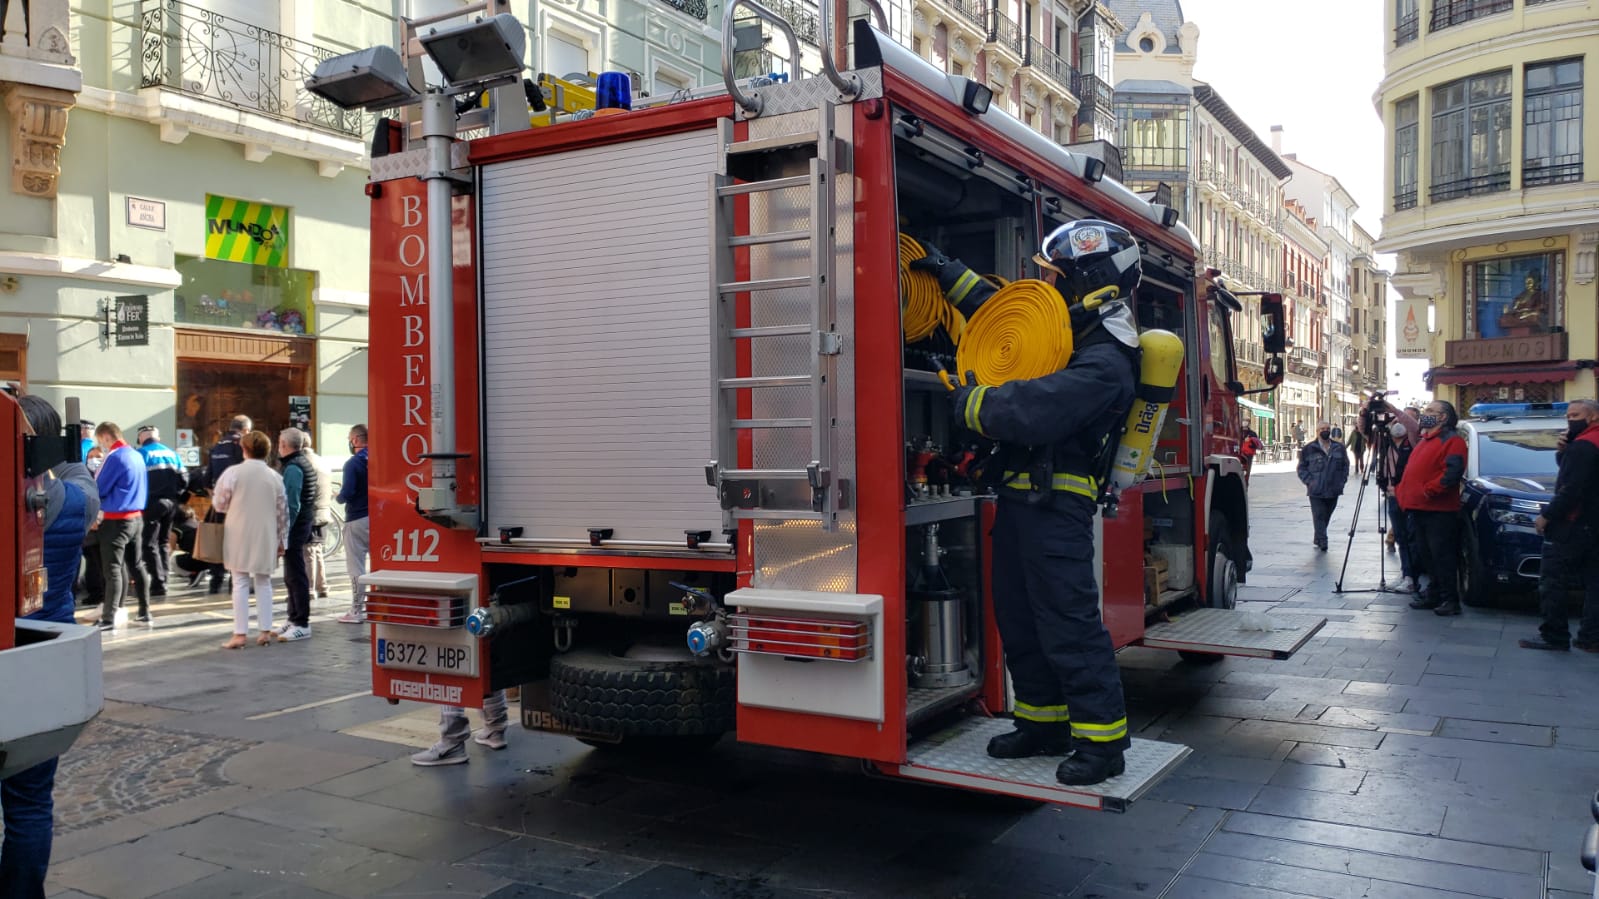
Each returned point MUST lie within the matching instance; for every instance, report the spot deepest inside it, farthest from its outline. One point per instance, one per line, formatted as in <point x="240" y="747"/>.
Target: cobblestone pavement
<point x="1398" y="756"/>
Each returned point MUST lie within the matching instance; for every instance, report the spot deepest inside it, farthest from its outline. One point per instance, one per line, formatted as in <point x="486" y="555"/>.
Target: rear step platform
<point x="958" y="756"/>
<point x="1220" y="632"/>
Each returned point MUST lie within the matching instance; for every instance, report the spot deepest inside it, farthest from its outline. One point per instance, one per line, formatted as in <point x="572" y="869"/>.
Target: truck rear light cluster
<point x="415" y="609"/>
<point x="802" y="638"/>
<point x="35" y="583"/>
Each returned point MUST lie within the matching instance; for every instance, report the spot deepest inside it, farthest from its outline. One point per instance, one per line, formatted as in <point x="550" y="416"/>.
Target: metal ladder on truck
<point x="774" y="334"/>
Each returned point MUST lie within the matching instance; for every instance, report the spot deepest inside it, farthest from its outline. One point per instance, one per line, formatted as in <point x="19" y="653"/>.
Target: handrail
<point x="752" y="102"/>
<point x="848" y="84"/>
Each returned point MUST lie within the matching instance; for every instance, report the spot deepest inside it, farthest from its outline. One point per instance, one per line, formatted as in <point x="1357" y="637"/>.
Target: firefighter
<point x="1053" y="433"/>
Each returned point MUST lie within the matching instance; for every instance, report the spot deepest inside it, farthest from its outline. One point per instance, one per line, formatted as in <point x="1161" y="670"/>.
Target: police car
<point x="1510" y="478"/>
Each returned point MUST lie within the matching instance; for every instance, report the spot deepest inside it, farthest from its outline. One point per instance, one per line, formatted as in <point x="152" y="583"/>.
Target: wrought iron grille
<point x="1533" y="174"/>
<point x="1408" y="28"/>
<point x="974" y="11"/>
<point x="1470" y="186"/>
<point x="1405" y="199"/>
<point x="1456" y="12"/>
<point x="1004" y="31"/>
<point x="1050" y="63"/>
<point x="802" y="17"/>
<point x="695" y="8"/>
<point x="195" y="51"/>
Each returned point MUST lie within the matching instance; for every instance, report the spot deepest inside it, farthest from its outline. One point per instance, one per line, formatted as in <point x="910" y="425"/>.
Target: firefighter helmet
<point x="1092" y="257"/>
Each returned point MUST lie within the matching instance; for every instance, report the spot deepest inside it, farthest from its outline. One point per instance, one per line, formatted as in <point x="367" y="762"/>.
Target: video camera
<point x="1376" y="416"/>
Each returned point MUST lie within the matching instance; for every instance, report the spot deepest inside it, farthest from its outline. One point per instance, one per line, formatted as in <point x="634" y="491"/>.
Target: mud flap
<point x="958" y="756"/>
<point x="1223" y="632"/>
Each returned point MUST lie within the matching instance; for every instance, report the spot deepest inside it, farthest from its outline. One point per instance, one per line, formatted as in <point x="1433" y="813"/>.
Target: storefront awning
<point x="1259" y="410"/>
<point x="1531" y="373"/>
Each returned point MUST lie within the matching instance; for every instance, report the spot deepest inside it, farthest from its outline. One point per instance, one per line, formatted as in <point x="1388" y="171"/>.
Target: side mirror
<point x="1274" y="370"/>
<point x="1273" y="329"/>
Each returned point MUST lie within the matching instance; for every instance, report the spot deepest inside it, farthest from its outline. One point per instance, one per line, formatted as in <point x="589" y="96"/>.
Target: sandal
<point x="265" y="638"/>
<point x="238" y="642"/>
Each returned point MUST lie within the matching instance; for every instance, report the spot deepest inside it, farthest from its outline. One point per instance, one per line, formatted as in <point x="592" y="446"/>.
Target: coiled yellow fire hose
<point x="1024" y="331"/>
<point x="923" y="307"/>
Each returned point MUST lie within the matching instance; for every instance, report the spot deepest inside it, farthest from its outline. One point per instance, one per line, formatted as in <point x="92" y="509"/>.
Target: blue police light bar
<point x="1517" y="410"/>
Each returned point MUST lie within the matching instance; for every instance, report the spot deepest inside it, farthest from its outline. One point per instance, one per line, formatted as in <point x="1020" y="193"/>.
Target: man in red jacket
<point x="1430" y="492"/>
<point x="1570" y="529"/>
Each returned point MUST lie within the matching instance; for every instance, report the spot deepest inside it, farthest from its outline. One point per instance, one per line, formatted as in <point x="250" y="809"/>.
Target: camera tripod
<point x="1380" y="444"/>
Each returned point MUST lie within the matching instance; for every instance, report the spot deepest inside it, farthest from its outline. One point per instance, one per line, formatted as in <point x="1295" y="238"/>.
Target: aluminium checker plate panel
<point x="958" y="756"/>
<point x="1220" y="631"/>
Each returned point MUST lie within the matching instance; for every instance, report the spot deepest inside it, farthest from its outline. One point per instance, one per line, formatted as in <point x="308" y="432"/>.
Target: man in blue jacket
<point x="26" y="798"/>
<point x="124" y="491"/>
<point x="1323" y="469"/>
<point x="357" y="524"/>
<point x="166" y="484"/>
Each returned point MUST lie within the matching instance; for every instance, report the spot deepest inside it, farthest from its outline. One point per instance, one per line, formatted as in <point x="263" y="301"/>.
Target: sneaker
<point x="158" y="591"/>
<point x="104" y="625"/>
<point x="493" y="739"/>
<point x="441" y="754"/>
<point x="120" y="618"/>
<point x="294" y="632"/>
<point x="350" y="618"/>
<point x="143" y="619"/>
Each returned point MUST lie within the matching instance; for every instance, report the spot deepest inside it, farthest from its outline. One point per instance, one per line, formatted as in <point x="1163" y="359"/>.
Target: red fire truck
<point x="60" y="663"/>
<point x="650" y="443"/>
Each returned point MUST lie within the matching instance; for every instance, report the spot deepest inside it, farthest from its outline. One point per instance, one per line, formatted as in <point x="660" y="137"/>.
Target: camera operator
<point x="1390" y="433"/>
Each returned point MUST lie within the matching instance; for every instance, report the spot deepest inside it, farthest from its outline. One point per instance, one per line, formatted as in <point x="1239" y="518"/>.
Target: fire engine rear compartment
<point x="607" y="386"/>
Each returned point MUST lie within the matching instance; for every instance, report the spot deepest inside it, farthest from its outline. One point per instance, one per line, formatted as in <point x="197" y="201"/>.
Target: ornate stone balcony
<point x="39" y="81"/>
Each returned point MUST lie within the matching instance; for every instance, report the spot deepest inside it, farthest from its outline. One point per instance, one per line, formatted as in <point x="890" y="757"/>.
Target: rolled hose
<point x="923" y="306"/>
<point x="1024" y="331"/>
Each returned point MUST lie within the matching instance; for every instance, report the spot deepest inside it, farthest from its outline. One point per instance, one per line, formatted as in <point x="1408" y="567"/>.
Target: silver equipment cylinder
<point x="942" y="638"/>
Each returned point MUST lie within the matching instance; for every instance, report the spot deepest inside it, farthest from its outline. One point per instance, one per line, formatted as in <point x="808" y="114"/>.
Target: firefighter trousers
<point x="1046" y="603"/>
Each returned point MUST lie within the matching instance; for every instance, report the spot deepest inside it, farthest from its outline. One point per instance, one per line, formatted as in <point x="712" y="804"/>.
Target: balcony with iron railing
<point x="1448" y="13"/>
<point x="1005" y="33"/>
<point x="1408" y="28"/>
<point x="1567" y="170"/>
<point x="1470" y="186"/>
<point x="803" y="16"/>
<point x="201" y="53"/>
<point x="973" y="11"/>
<point x="1051" y="64"/>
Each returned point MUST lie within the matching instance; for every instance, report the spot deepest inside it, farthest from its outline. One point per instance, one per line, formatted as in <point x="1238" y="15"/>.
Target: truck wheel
<point x="1471" y="581"/>
<point x="600" y="692"/>
<point x="1222" y="583"/>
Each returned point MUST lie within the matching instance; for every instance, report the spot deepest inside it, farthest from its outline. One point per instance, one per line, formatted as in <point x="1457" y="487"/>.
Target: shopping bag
<point x="208" y="542"/>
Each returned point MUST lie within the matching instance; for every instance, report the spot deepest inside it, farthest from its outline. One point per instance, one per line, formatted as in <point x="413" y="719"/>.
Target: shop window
<point x="1553" y="135"/>
<point x="1515" y="296"/>
<point x="220" y="294"/>
<point x="1471" y="136"/>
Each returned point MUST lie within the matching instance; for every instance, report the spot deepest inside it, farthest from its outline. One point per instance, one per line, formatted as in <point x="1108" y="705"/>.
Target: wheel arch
<point x="1229" y="497"/>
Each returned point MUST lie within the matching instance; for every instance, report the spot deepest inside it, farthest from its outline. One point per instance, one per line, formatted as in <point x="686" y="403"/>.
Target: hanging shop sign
<point x="241" y="231"/>
<point x="1410" y="330"/>
<point x="132" y="325"/>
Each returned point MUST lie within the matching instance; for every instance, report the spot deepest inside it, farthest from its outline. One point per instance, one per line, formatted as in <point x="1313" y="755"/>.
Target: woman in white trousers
<point x="255" y="534"/>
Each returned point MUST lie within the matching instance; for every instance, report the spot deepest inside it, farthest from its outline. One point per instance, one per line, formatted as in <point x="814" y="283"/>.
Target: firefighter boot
<point x="1085" y="769"/>
<point x="1027" y="742"/>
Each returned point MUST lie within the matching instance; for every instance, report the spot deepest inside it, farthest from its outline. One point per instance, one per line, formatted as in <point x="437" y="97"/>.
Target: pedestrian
<point x="1068" y="690"/>
<point x="224" y="455"/>
<point x="1430" y="492"/>
<point x="1570" y="529"/>
<point x="1248" y="448"/>
<point x="1323" y="469"/>
<point x="315" y="564"/>
<point x="27" y="801"/>
<point x="166" y="480"/>
<point x="1399" y="536"/>
<point x="123" y="485"/>
<point x="299" y="482"/>
<point x="255" y="535"/>
<point x="1357" y="450"/>
<point x="185" y="531"/>
<point x="1299" y="433"/>
<point x="86" y="432"/>
<point x="357" y="524"/>
<point x="454" y="729"/>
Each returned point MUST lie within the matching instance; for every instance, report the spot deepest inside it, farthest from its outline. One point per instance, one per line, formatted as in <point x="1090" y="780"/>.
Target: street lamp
<point x="476" y="55"/>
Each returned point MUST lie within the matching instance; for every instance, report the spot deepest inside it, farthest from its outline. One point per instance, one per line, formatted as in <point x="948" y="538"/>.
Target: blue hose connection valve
<point x="705" y="637"/>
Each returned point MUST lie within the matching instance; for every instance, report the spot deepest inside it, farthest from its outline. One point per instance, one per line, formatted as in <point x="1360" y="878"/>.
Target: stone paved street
<point x="1398" y="756"/>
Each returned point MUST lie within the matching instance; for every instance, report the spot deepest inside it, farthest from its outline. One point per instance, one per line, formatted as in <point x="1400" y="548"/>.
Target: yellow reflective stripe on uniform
<point x="1041" y="713"/>
<point x="974" y="410"/>
<point x="963" y="286"/>
<point x="1101" y="733"/>
<point x="1069" y="483"/>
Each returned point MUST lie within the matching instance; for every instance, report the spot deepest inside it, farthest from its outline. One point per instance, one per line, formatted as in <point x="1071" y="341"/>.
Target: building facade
<point x="1326" y="200"/>
<point x="1299" y="402"/>
<point x="1368" y="302"/>
<point x="1492" y="207"/>
<point x="184" y="235"/>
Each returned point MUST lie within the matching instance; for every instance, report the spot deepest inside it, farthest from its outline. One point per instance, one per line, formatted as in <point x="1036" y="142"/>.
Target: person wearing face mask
<point x="1323" y="469"/>
<point x="1430" y="492"/>
<point x="1570" y="529"/>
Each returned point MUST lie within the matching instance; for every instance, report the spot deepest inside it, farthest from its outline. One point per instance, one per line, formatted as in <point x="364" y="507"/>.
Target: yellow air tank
<point x="1162" y="355"/>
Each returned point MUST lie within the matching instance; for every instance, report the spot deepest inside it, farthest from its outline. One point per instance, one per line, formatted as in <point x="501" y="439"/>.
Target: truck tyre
<point x="1471" y="581"/>
<point x="599" y="692"/>
<point x="1222" y="580"/>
